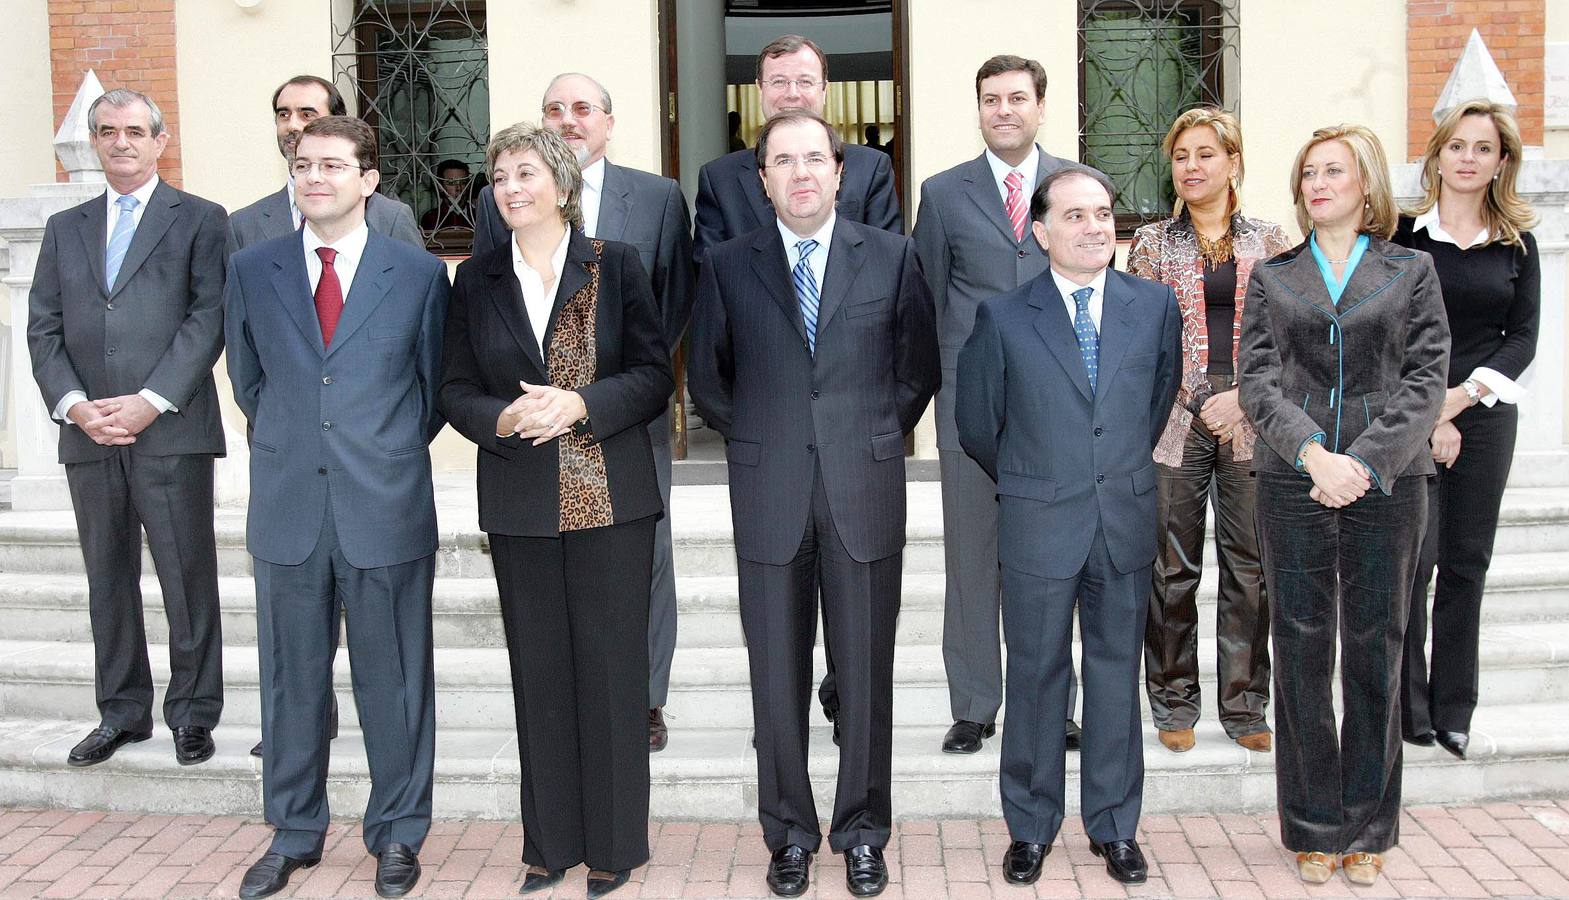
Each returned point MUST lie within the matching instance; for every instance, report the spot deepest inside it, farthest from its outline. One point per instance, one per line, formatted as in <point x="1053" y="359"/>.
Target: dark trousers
<point x="575" y="611"/>
<point x="171" y="497"/>
<point x="388" y="614"/>
<point x="662" y="587"/>
<point x="860" y="610"/>
<point x="1462" y="520"/>
<point x="1171" y="642"/>
<point x="1338" y="788"/>
<point x="1037" y="619"/>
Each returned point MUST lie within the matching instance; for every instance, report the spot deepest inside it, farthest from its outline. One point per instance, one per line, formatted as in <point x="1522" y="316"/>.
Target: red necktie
<point x="1015" y="203"/>
<point x="329" y="295"/>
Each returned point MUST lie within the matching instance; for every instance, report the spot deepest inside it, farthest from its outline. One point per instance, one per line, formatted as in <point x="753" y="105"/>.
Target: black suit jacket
<point x="490" y="347"/>
<point x="784" y="411"/>
<point x="160" y="327"/>
<point x="731" y="201"/>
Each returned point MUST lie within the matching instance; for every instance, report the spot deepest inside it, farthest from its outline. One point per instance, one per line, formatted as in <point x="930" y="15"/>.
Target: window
<point x="1141" y="62"/>
<point x="420" y="71"/>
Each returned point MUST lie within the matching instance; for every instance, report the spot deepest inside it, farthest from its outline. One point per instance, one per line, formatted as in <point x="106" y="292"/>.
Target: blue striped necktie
<point x="806" y="292"/>
<point x="1084" y="330"/>
<point x="120" y="239"/>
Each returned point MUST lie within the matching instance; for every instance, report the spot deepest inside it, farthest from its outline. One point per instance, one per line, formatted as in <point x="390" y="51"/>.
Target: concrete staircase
<point x="1520" y="741"/>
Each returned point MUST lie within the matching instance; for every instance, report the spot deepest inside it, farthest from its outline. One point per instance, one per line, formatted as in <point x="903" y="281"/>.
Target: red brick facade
<point x="1436" y="32"/>
<point x="129" y="43"/>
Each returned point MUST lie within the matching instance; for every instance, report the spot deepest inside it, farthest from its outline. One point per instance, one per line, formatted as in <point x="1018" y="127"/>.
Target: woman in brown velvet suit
<point x="554" y="362"/>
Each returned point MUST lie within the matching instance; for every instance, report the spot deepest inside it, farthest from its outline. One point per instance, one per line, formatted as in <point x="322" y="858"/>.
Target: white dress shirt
<point x="294" y="209"/>
<point x="818" y="261"/>
<point x="593" y="190"/>
<point x="351" y="249"/>
<point x="1097" y="299"/>
<point x="536" y="302"/>
<point x="1027" y="169"/>
<point x="1502" y="387"/>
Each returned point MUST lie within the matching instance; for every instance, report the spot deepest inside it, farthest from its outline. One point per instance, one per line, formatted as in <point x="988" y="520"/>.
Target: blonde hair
<point x="1226" y="128"/>
<point x="1379" y="213"/>
<point x="1504" y="211"/>
<point x="553" y="152"/>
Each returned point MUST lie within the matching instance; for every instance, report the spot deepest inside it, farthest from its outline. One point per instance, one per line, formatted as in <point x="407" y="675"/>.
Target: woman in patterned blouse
<point x="1206" y="253"/>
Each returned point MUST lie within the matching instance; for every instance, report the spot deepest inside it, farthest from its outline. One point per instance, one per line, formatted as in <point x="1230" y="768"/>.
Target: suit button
<point x="1023" y="254"/>
<point x="814" y="395"/>
<point x="1100" y="479"/>
<point x="322" y="470"/>
<point x="326" y="426"/>
<point x="111" y="351"/>
<point x="1098" y="430"/>
<point x="811" y="448"/>
<point x="326" y="379"/>
<point x="109" y="306"/>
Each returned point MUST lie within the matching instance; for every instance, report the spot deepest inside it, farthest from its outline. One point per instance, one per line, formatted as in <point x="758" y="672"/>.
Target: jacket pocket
<point x="867" y="308"/>
<point x="1140" y="361"/>
<point x="743" y="453"/>
<point x="1144" y="479"/>
<point x="887" y="446"/>
<point x="406" y="451"/>
<point x="1029" y="487"/>
<point x="263" y="446"/>
<point x="1373" y="405"/>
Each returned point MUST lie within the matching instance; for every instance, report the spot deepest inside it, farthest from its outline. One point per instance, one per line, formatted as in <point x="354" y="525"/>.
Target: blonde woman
<point x="1475" y="227"/>
<point x="1206" y="252"/>
<point x="1344" y="350"/>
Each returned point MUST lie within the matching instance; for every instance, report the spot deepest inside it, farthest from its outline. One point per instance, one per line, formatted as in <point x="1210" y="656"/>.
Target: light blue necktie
<point x="806" y="292"/>
<point x="120" y="240"/>
<point x="1084" y="330"/>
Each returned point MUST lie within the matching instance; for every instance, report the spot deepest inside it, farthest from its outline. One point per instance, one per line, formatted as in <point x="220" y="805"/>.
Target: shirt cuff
<point x="1504" y="389"/>
<point x="1319" y="437"/>
<point x="65" y="404"/>
<point x="157" y="401"/>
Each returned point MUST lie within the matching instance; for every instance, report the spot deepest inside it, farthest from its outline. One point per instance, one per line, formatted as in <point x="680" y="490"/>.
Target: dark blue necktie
<point x="1084" y="330"/>
<point x="806" y="292"/>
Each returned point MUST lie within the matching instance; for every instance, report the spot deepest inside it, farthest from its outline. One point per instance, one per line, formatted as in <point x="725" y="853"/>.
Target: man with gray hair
<point x="648" y="212"/>
<point x="125" y="322"/>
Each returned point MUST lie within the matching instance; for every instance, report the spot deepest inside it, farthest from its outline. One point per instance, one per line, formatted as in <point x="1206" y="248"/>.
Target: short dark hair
<point x="782" y="46"/>
<point x="446" y="164"/>
<point x="791" y="117"/>
<point x="1005" y="62"/>
<point x="335" y="104"/>
<point x="1040" y="201"/>
<point x="355" y="131"/>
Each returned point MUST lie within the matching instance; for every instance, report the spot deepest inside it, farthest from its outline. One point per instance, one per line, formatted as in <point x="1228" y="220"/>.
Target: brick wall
<point x="129" y="43"/>
<point x="1436" y="32"/>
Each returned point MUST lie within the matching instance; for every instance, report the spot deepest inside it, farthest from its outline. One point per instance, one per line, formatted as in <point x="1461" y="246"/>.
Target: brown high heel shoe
<point x="1315" y="867"/>
<point x="1362" y="868"/>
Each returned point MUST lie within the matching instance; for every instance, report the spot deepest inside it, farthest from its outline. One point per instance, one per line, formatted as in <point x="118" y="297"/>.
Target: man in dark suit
<point x="294" y="104"/>
<point x="341" y="393"/>
<point x="125" y="322"/>
<point x="814" y="353"/>
<point x="648" y="212"/>
<point x="1063" y="389"/>
<point x="973" y="237"/>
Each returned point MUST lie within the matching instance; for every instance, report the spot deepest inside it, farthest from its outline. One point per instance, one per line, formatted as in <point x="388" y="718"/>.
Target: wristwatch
<point x="1473" y="393"/>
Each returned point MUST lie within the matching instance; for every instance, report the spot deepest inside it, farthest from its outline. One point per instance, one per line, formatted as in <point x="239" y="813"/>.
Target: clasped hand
<point x="113" y="421"/>
<point x="1222" y="414"/>
<point x="1338" y="480"/>
<point x="542" y="413"/>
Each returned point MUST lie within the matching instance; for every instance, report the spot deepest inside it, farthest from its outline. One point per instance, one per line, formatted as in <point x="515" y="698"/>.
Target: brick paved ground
<point x="1502" y="849"/>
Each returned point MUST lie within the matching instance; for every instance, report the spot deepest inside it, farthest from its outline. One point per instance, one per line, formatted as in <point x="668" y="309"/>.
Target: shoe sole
<point x="84" y="763"/>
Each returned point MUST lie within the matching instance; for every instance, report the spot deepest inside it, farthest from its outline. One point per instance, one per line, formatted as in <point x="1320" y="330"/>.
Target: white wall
<point x="27" y="102"/>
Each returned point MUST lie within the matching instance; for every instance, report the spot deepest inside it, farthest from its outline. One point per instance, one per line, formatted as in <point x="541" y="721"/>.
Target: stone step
<point x="1533" y="520"/>
<point x="710" y="686"/>
<point x="712" y="773"/>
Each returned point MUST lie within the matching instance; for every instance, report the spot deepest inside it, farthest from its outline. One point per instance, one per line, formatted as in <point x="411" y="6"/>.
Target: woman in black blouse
<point x="1475" y="227"/>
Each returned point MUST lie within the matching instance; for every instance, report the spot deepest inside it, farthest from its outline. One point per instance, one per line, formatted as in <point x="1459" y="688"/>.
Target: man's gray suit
<point x="160" y="327"/>
<point x="969" y="254"/>
<point x="648" y="212"/>
<point x="342" y="516"/>
<point x="270" y="218"/>
<point x="1076" y="499"/>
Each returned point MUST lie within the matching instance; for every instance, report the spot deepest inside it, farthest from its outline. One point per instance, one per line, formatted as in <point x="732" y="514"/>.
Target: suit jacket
<point x="638" y="208"/>
<point x="356" y="417"/>
<point x="968" y="253"/>
<point x="491" y="346"/>
<point x="731" y="201"/>
<point x="160" y="327"/>
<point x="1366" y="375"/>
<point x="785" y="412"/>
<point x="1065" y="458"/>
<point x="270" y="218"/>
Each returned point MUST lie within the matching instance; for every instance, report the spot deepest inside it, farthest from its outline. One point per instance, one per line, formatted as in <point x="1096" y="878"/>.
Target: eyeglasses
<point x="814" y="162"/>
<point x="555" y="112"/>
<point x="802" y="84"/>
<point x="330" y="168"/>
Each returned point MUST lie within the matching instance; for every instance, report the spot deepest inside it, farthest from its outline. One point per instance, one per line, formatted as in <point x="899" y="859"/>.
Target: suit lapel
<point x="162" y="207"/>
<point x="1117" y="322"/>
<point x="1056" y="329"/>
<point x="278" y="219"/>
<point x="372" y="279"/>
<point x="981" y="188"/>
<point x="615" y="205"/>
<point x="845" y="256"/>
<point x="752" y="190"/>
<point x="94" y="227"/>
<point x="1373" y="273"/>
<point x="768" y="262"/>
<point x="574" y="275"/>
<point x="507" y="297"/>
<point x="1302" y="278"/>
<point x="292" y="284"/>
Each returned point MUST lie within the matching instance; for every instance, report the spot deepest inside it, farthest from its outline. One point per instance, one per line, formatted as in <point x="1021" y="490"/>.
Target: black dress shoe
<point x="397" y="870"/>
<point x="270" y="874"/>
<point x="192" y="744"/>
<point x="101" y="743"/>
<point x="865" y="873"/>
<point x="1022" y="863"/>
<point x="1425" y="739"/>
<point x="601" y="882"/>
<point x="965" y="737"/>
<point x="256" y="751"/>
<point x="1124" y="860"/>
<point x="658" y="734"/>
<point x="1455" y="742"/>
<point x="538" y="878"/>
<point x="1075" y="735"/>
<point x="789" y="871"/>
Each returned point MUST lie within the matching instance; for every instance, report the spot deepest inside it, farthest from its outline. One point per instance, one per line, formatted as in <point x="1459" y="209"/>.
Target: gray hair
<point x="553" y="152"/>
<point x="604" y="95"/>
<point x="120" y="98"/>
